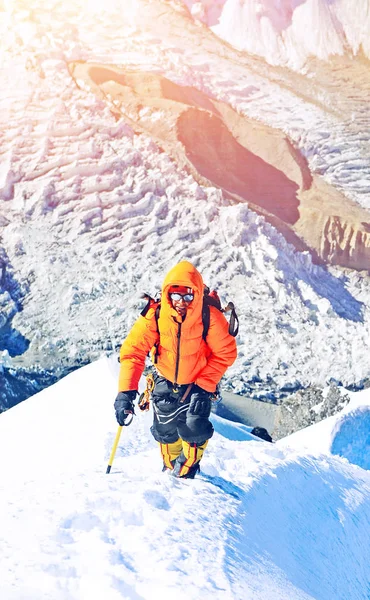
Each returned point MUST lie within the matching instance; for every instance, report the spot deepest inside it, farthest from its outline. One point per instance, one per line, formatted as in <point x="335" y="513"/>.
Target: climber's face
<point x="181" y="297"/>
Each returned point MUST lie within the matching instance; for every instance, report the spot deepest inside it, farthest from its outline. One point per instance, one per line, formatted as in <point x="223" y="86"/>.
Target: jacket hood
<point x="184" y="273"/>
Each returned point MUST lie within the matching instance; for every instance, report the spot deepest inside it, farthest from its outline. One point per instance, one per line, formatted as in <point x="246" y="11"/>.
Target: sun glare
<point x="29" y="6"/>
<point x="95" y="6"/>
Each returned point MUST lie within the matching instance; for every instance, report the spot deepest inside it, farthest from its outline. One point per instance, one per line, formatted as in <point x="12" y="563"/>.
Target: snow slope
<point x="262" y="520"/>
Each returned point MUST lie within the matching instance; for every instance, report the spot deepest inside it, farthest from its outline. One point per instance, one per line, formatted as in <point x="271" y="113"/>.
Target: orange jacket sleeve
<point x="223" y="350"/>
<point x="134" y="350"/>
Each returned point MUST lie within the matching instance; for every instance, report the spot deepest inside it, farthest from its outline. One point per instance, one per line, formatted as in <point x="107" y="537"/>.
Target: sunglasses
<point x="177" y="297"/>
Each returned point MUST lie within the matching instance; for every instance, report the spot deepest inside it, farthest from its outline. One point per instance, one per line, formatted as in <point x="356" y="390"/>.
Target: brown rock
<point x="249" y="161"/>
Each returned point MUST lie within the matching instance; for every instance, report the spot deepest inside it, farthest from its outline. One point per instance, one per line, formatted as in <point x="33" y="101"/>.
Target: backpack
<point x="210" y="298"/>
<point x="262" y="433"/>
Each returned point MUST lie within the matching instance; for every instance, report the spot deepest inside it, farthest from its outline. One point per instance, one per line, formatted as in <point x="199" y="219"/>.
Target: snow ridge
<point x="262" y="519"/>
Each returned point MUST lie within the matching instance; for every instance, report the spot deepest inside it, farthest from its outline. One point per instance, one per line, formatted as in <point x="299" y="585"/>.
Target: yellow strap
<point x="193" y="454"/>
<point x="170" y="452"/>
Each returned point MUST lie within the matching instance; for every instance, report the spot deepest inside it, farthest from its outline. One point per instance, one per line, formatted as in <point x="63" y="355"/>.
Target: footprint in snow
<point x="156" y="499"/>
<point x="82" y="522"/>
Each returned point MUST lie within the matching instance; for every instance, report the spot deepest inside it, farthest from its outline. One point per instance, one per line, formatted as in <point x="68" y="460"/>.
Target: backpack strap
<point x="156" y="314"/>
<point x="234" y="321"/>
<point x="151" y="302"/>
<point x="206" y="318"/>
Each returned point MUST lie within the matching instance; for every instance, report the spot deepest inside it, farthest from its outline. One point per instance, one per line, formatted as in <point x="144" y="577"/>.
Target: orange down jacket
<point x="183" y="356"/>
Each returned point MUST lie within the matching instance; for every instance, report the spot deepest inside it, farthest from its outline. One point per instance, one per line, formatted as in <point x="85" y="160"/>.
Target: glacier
<point x="93" y="209"/>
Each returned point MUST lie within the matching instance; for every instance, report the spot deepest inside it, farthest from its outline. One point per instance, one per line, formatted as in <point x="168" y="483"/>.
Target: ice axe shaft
<point x="112" y="454"/>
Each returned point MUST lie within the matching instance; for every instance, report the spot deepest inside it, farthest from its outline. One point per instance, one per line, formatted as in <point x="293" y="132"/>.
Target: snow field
<point x="259" y="513"/>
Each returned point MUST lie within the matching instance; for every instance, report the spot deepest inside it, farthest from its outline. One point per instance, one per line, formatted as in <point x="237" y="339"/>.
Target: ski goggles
<point x="176" y="297"/>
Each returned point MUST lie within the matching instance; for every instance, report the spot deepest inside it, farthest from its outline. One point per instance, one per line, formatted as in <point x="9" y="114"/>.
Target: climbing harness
<point x="144" y="400"/>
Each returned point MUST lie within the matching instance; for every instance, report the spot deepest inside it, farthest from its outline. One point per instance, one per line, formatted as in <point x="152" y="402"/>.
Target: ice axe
<point x="118" y="435"/>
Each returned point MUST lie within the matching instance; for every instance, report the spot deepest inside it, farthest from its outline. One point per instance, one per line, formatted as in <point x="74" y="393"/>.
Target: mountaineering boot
<point x="187" y="463"/>
<point x="166" y="468"/>
<point x="170" y="452"/>
<point x="180" y="473"/>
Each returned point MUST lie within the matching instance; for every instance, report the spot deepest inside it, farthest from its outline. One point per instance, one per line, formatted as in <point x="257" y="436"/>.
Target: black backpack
<point x="210" y="298"/>
<point x="262" y="433"/>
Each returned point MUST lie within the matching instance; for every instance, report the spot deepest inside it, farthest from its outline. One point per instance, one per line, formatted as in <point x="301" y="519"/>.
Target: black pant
<point x="174" y="418"/>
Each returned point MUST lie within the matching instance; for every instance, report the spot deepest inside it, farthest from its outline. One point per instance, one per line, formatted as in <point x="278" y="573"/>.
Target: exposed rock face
<point x="345" y="243"/>
<point x="216" y="154"/>
<point x="249" y="161"/>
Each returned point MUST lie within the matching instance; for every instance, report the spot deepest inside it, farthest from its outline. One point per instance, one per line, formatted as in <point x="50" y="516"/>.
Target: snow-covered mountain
<point x="291" y="32"/>
<point x="286" y="521"/>
<point x="186" y="148"/>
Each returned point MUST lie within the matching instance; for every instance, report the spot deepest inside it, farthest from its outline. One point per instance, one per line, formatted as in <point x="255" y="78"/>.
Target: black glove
<point x="124" y="406"/>
<point x="200" y="403"/>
